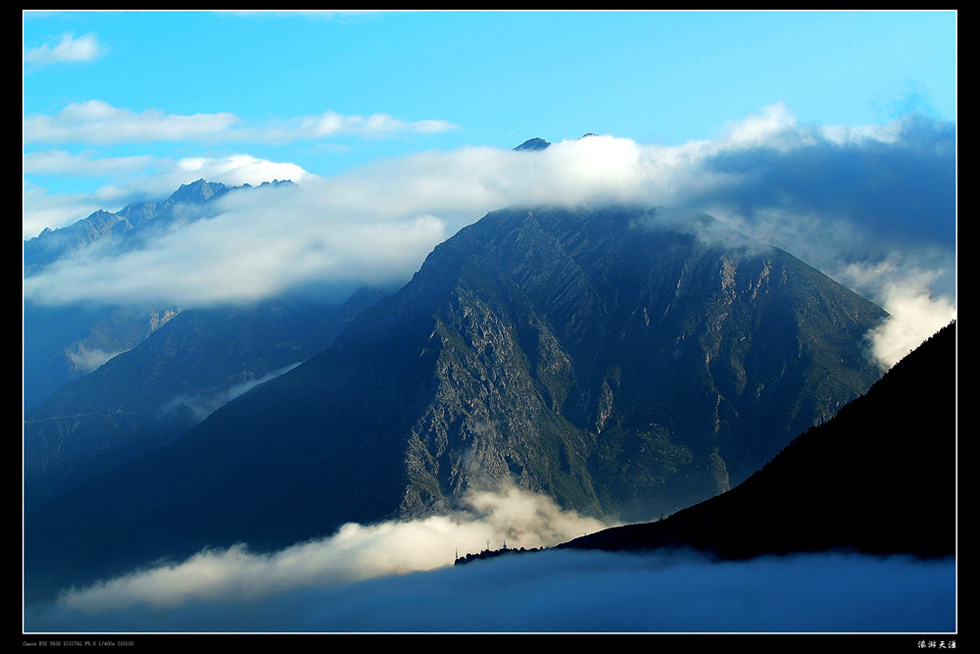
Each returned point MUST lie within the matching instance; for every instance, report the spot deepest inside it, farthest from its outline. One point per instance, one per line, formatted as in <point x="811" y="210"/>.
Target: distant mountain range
<point x="624" y="360"/>
<point x="64" y="343"/>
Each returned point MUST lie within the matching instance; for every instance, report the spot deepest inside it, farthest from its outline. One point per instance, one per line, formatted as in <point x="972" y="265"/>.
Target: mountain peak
<point x="533" y="144"/>
<point x="198" y="192"/>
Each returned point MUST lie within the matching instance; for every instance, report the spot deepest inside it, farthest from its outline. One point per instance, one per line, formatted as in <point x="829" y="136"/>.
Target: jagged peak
<point x="198" y="192"/>
<point x="533" y="144"/>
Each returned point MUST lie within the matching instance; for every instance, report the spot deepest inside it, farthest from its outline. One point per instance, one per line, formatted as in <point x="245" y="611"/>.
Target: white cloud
<point x="69" y="48"/>
<point x="915" y="312"/>
<point x="264" y="242"/>
<point x="60" y="162"/>
<point x="356" y="552"/>
<point x="330" y="124"/>
<point x="98" y="123"/>
<point x="239" y="169"/>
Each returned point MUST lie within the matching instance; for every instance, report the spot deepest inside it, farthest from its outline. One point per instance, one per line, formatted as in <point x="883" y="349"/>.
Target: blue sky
<point x="830" y="134"/>
<point x="489" y="78"/>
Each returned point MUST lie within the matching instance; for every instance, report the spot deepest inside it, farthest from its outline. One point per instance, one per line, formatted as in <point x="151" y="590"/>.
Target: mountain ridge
<point x="153" y="393"/>
<point x="605" y="356"/>
<point x="63" y="343"/>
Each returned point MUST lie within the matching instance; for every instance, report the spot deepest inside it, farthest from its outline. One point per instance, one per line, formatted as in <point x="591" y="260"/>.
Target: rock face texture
<point x="834" y="487"/>
<point x="625" y="361"/>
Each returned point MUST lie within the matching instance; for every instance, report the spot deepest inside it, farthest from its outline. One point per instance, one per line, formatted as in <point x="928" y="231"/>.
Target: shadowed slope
<point x="879" y="478"/>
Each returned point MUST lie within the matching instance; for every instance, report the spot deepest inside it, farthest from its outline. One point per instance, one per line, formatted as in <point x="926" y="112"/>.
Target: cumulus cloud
<point x="69" y="48"/>
<point x="833" y="196"/>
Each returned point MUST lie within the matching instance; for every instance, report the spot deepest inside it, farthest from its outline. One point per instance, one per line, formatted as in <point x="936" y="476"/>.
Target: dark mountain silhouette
<point x="622" y="360"/>
<point x="879" y="478"/>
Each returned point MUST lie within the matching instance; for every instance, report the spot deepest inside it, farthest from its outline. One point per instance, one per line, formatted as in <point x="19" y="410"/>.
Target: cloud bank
<point x="355" y="553"/>
<point x="580" y="592"/>
<point x="874" y="207"/>
<point x="398" y="577"/>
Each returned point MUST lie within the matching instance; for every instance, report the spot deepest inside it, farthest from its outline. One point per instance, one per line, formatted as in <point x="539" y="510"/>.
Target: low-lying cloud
<point x="581" y="592"/>
<point x="356" y="552"/>
<point x="398" y="577"/>
<point x="839" y="198"/>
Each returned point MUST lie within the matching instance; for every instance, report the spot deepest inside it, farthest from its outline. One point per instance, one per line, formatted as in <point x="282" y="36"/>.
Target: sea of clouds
<point x="398" y="577"/>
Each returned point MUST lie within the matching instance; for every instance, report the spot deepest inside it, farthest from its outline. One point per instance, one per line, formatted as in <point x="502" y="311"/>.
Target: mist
<point x="203" y="404"/>
<point x="563" y="591"/>
<point x="399" y="577"/>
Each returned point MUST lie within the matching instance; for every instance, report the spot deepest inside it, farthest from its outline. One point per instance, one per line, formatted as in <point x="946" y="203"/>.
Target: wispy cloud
<point x="60" y="162"/>
<point x="331" y="123"/>
<point x="96" y="122"/>
<point x="203" y="404"/>
<point x="69" y="48"/>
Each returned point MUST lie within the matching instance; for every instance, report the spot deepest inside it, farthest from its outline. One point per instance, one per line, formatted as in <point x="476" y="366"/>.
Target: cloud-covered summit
<point x="873" y="207"/>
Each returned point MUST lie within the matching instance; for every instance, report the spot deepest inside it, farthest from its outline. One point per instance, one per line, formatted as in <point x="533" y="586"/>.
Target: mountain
<point x="64" y="343"/>
<point x="532" y="144"/>
<point x="878" y="478"/>
<point x="162" y="387"/>
<point x="125" y="226"/>
<point x="623" y="360"/>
